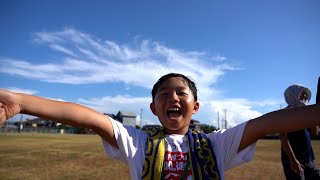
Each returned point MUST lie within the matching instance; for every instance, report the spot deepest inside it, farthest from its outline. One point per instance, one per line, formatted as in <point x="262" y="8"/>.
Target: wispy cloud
<point x="236" y="110"/>
<point x="19" y="90"/>
<point x="83" y="59"/>
<point x="87" y="59"/>
<point x="124" y="101"/>
<point x="113" y="104"/>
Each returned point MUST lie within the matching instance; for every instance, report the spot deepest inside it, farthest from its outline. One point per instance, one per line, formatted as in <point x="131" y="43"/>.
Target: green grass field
<point x="39" y="156"/>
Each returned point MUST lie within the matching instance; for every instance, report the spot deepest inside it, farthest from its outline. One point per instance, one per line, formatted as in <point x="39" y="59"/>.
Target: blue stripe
<point x="193" y="155"/>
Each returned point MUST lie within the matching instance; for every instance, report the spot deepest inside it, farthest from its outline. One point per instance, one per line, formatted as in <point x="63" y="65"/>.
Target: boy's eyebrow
<point x="162" y="88"/>
<point x="178" y="88"/>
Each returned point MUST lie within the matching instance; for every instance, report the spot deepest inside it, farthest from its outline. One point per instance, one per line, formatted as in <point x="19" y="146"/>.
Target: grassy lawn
<point x="41" y="156"/>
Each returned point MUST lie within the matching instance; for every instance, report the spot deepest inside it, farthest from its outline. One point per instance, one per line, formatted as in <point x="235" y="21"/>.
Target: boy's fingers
<point x="2" y="116"/>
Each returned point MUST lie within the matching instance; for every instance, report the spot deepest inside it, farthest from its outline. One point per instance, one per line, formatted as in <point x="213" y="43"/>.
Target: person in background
<point x="296" y="149"/>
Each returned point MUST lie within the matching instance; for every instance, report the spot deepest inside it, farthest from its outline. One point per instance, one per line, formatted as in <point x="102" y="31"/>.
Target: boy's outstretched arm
<point x="63" y="112"/>
<point x="285" y="120"/>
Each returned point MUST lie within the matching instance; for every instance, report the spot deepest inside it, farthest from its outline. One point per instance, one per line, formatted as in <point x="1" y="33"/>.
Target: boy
<point x="175" y="151"/>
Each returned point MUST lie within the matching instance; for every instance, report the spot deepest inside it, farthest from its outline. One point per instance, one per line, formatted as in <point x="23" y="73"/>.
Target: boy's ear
<point x="196" y="107"/>
<point x="153" y="108"/>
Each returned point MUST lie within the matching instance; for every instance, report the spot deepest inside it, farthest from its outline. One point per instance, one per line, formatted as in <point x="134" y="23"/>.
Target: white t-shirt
<point x="132" y="145"/>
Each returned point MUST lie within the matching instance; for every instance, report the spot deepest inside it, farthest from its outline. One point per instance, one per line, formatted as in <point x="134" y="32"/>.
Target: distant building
<point x="48" y="126"/>
<point x="126" y="118"/>
<point x="39" y="122"/>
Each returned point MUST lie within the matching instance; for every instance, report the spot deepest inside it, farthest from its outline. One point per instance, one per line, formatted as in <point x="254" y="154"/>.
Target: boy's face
<point x="174" y="105"/>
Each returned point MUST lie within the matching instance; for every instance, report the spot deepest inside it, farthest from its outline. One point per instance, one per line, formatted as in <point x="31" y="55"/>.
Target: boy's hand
<point x="8" y="105"/>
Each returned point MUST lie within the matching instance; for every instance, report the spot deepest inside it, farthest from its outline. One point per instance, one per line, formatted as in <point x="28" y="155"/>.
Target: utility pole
<point x="218" y="120"/>
<point x="141" y="118"/>
<point x="20" y="126"/>
<point x="225" y="118"/>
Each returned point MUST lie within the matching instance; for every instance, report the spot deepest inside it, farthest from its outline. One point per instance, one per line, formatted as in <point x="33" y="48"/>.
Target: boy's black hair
<point x="190" y="83"/>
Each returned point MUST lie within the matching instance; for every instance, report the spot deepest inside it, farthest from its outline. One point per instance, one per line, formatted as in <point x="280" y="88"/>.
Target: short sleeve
<point x="131" y="143"/>
<point x="226" y="143"/>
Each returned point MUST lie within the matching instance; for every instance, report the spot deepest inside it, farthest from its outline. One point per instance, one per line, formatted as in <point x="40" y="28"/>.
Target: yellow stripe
<point x="153" y="163"/>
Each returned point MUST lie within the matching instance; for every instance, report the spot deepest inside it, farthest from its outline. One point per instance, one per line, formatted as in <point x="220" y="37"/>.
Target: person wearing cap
<point x="296" y="150"/>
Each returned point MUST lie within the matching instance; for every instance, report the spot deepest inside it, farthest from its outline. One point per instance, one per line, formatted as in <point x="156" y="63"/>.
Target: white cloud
<point x="112" y="104"/>
<point x="87" y="59"/>
<point x="62" y="49"/>
<point x="235" y="110"/>
<point x="19" y="90"/>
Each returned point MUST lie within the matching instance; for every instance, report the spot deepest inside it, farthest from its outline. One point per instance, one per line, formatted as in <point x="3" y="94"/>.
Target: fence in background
<point x="15" y="130"/>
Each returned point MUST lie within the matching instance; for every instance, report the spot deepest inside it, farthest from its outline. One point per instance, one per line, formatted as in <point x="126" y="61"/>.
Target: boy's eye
<point x="183" y="93"/>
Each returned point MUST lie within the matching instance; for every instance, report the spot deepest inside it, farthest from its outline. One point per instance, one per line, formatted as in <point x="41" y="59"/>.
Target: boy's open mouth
<point x="173" y="112"/>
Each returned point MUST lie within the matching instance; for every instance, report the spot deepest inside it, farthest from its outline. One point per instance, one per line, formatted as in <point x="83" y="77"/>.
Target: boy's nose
<point x="173" y="97"/>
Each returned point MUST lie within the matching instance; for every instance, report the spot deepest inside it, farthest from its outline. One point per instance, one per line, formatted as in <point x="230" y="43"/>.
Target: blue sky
<point x="108" y="54"/>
